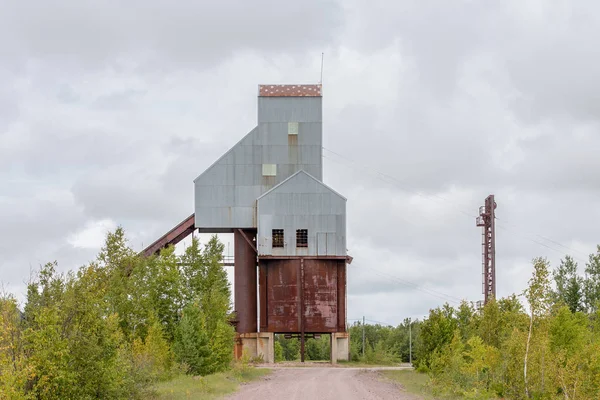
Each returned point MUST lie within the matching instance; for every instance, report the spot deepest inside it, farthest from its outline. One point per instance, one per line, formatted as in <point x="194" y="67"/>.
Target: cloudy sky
<point x="109" y="111"/>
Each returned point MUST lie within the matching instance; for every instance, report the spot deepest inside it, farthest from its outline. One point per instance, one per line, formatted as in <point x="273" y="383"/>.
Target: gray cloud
<point x="107" y="113"/>
<point x="192" y="33"/>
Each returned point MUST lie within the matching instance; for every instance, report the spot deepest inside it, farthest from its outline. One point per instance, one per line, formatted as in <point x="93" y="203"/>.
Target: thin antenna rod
<point x="322" y="57"/>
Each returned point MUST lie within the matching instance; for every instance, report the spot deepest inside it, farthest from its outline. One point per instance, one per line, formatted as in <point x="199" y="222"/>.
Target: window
<point x="277" y="237"/>
<point x="301" y="237"/>
<point x="292" y="128"/>
<point x="269" y="169"/>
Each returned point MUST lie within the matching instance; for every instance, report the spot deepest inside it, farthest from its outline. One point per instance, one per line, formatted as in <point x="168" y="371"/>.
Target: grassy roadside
<point x="420" y="384"/>
<point x="412" y="381"/>
<point x="361" y="364"/>
<point x="186" y="387"/>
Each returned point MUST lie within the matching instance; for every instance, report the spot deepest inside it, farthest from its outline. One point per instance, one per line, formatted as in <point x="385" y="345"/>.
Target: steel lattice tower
<point x="486" y="220"/>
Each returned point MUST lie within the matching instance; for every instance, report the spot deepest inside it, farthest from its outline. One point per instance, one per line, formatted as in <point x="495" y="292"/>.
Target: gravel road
<point x="322" y="384"/>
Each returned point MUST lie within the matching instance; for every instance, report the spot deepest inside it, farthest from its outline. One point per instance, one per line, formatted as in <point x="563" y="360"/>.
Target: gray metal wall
<point x="226" y="193"/>
<point x="302" y="202"/>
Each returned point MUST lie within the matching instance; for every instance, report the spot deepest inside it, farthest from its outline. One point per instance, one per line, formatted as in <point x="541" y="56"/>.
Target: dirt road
<point x="322" y="384"/>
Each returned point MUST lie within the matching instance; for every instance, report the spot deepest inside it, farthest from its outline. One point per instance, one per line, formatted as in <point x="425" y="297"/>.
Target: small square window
<point x="277" y="237"/>
<point x="292" y="128"/>
<point x="269" y="169"/>
<point x="301" y="237"/>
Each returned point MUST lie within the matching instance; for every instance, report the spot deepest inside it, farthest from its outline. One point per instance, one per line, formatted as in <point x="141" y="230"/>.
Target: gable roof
<point x="293" y="176"/>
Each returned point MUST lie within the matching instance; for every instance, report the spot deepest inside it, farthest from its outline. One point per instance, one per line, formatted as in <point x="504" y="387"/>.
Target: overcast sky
<point x="109" y="111"/>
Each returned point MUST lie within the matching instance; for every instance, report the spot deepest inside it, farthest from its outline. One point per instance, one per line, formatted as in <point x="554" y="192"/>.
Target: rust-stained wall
<point x="323" y="291"/>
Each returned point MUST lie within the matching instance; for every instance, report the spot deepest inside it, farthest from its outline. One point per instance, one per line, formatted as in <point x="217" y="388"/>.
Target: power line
<point x="371" y="320"/>
<point x="405" y="186"/>
<point x="380" y="323"/>
<point x="431" y="292"/>
<point x="524" y="234"/>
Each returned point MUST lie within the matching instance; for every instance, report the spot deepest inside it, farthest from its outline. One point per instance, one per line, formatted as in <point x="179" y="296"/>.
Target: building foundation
<point x="340" y="347"/>
<point x="258" y="345"/>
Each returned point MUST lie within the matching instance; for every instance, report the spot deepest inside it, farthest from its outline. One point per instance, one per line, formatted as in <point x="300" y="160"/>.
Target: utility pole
<point x="410" y="341"/>
<point x="363" y="336"/>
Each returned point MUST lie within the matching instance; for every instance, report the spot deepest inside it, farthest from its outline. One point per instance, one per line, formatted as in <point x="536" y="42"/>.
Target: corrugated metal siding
<point x="226" y="193"/>
<point x="290" y="109"/>
<point x="302" y="203"/>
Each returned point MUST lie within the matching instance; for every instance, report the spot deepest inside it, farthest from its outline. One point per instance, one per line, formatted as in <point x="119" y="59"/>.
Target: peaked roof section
<point x="293" y="177"/>
<point x="252" y="132"/>
<point x="290" y="90"/>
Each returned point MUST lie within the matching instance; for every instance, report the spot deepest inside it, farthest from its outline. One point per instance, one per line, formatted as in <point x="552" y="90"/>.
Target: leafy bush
<point x="108" y="330"/>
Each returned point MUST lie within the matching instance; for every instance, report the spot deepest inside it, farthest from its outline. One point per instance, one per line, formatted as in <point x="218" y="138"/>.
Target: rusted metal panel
<point x="262" y="295"/>
<point x="289" y="90"/>
<point x="341" y="296"/>
<point x="174" y="236"/>
<point x="303" y="295"/>
<point x="283" y="295"/>
<point x="245" y="281"/>
<point x="320" y="296"/>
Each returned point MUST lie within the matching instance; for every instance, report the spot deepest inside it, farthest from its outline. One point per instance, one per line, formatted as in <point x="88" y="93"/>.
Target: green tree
<point x="592" y="282"/>
<point x="278" y="350"/>
<point x="569" y="285"/>
<point x="191" y="344"/>
<point x="165" y="289"/>
<point x="436" y="331"/>
<point x="193" y="269"/>
<point x="465" y="319"/>
<point x="481" y="362"/>
<point x="152" y="356"/>
<point x="446" y="365"/>
<point x="290" y="348"/>
<point x="205" y="324"/>
<point x="569" y="338"/>
<point x="490" y="324"/>
<point x="73" y="348"/>
<point x="13" y="374"/>
<point x="318" y="349"/>
<point x="538" y="296"/>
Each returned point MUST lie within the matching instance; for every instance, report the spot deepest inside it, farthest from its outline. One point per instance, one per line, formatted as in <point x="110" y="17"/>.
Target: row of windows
<point x="301" y="237"/>
<point x="271" y="169"/>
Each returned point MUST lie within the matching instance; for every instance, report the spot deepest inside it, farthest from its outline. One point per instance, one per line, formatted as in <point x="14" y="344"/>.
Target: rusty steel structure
<point x="289" y="227"/>
<point x="486" y="220"/>
<point x="174" y="236"/>
<point x="245" y="280"/>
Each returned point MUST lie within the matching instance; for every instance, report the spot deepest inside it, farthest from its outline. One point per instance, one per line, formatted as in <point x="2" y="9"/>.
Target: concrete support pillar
<point x="340" y="347"/>
<point x="259" y="345"/>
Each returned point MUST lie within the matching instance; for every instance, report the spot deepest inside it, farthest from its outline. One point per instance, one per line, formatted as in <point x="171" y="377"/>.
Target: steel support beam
<point x="245" y="281"/>
<point x="174" y="236"/>
<point x="241" y="232"/>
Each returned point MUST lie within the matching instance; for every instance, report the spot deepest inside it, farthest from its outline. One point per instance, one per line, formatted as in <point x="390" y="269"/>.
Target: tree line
<point x="115" y="327"/>
<point x="543" y="343"/>
<point x="546" y="347"/>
